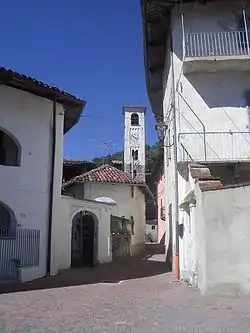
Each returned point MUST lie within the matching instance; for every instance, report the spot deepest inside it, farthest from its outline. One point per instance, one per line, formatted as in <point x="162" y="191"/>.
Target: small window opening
<point x="5" y="220"/>
<point x="134" y="119"/>
<point x="134" y="173"/>
<point x="135" y="155"/>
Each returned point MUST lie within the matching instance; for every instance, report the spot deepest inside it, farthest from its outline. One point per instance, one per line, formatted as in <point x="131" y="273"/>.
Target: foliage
<point x="152" y="154"/>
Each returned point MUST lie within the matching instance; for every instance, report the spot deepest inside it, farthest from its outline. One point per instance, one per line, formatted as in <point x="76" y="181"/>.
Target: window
<point x="135" y="155"/>
<point x="134" y="119"/>
<point x="6" y="219"/>
<point x="10" y="150"/>
<point x="134" y="173"/>
<point x="153" y="227"/>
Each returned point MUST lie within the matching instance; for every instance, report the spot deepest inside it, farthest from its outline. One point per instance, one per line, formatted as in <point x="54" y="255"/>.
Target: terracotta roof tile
<point x="105" y="174"/>
<point x="70" y="162"/>
<point x="73" y="106"/>
<point x="7" y="75"/>
<point x="211" y="187"/>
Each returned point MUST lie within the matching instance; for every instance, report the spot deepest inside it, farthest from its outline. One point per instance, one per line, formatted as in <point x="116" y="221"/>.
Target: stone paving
<point x="147" y="300"/>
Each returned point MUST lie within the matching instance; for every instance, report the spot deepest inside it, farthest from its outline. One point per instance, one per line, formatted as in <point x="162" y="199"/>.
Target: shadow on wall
<point x="162" y="240"/>
<point x="224" y="90"/>
<point x="151" y="263"/>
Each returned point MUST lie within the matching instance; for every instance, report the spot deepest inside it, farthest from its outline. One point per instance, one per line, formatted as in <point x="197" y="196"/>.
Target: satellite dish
<point x="106" y="200"/>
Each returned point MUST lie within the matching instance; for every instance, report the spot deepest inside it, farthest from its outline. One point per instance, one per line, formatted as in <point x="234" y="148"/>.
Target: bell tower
<point x="134" y="141"/>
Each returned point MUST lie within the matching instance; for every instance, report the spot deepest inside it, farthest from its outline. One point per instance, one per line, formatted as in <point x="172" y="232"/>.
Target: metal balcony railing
<point x="214" y="146"/>
<point x="18" y="252"/>
<point x="205" y="44"/>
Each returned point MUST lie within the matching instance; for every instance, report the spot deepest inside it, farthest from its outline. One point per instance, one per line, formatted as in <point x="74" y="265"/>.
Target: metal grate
<point x="207" y="44"/>
<point x="18" y="251"/>
<point x="214" y="146"/>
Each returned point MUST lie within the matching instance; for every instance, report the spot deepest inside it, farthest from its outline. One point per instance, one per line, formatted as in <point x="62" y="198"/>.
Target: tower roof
<point x="132" y="109"/>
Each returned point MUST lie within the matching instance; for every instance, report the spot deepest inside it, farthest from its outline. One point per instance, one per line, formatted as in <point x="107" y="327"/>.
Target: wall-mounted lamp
<point x="161" y="129"/>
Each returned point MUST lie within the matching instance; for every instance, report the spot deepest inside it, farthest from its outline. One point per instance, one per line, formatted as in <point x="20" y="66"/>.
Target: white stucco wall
<point x="126" y="205"/>
<point x="224" y="241"/>
<point x="62" y="236"/>
<point x="25" y="189"/>
<point x="219" y="106"/>
<point x="203" y="98"/>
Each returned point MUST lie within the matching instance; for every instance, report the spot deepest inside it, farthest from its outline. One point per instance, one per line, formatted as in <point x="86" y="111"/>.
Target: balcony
<point x="214" y="147"/>
<point x="217" y="52"/>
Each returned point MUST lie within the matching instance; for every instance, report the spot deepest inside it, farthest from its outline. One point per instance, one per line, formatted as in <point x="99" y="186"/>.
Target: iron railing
<point x="21" y="250"/>
<point x="214" y="146"/>
<point x="4" y="232"/>
<point x="205" y="44"/>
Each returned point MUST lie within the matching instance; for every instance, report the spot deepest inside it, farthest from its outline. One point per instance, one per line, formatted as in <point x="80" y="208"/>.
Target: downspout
<point x="51" y="191"/>
<point x="175" y="141"/>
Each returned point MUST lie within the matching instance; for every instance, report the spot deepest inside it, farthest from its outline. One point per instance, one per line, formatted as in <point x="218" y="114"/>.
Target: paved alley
<point x="140" y="298"/>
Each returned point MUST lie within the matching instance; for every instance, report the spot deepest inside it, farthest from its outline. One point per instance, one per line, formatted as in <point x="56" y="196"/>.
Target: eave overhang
<point x="156" y="18"/>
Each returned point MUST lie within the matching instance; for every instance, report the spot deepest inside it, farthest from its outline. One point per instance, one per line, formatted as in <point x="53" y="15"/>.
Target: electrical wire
<point x="236" y="126"/>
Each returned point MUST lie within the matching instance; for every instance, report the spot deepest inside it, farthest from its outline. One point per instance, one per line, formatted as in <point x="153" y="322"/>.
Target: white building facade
<point x="128" y="196"/>
<point x="70" y="208"/>
<point x="33" y="120"/>
<point x="198" y="73"/>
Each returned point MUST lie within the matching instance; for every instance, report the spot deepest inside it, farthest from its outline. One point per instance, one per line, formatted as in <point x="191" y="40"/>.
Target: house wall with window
<point x="208" y="98"/>
<point x="25" y="178"/>
<point x="130" y="201"/>
<point x="151" y="231"/>
<point x="203" y="98"/>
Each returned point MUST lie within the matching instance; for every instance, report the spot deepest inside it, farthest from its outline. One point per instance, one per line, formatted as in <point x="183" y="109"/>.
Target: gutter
<point x="51" y="191"/>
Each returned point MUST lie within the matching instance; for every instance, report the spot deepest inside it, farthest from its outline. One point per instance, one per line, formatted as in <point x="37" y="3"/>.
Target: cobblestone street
<point x="149" y="302"/>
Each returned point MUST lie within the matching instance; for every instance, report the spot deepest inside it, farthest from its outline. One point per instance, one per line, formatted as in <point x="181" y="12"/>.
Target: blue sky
<point x="92" y="49"/>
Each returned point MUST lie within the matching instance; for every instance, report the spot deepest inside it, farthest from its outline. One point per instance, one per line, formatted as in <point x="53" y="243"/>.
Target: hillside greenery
<point x="152" y="154"/>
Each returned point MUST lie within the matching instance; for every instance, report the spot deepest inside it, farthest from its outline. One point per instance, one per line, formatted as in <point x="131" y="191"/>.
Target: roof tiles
<point x="105" y="174"/>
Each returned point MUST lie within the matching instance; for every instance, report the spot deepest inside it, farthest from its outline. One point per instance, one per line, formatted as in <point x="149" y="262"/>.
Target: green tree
<point x="152" y="154"/>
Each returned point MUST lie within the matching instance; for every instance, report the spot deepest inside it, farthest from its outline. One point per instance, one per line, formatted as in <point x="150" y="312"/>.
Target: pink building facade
<point x="155" y="212"/>
<point x="161" y="206"/>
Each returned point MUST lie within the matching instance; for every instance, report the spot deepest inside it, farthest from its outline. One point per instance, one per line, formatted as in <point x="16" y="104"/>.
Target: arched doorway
<point x="84" y="243"/>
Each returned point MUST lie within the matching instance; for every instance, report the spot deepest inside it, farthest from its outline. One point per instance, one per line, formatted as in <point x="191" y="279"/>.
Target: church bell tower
<point x="134" y="141"/>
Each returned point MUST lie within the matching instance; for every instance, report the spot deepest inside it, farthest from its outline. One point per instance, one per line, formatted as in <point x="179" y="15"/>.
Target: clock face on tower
<point x="135" y="136"/>
<point x="134" y="139"/>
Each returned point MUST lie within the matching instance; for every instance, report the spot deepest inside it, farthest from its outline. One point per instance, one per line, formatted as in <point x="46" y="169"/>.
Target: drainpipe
<point x="246" y="28"/>
<point x="51" y="190"/>
<point x="175" y="139"/>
